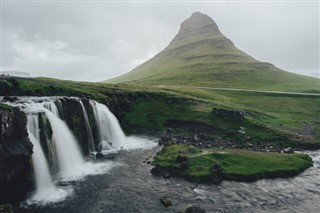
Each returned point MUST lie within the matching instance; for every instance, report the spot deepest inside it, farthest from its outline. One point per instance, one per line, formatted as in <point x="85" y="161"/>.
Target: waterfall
<point x="40" y="165"/>
<point x="109" y="130"/>
<point x="88" y="128"/>
<point x="63" y="149"/>
<point x="45" y="188"/>
<point x="68" y="153"/>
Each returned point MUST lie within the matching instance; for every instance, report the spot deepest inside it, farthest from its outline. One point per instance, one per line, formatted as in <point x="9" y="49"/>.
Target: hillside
<point x="200" y="55"/>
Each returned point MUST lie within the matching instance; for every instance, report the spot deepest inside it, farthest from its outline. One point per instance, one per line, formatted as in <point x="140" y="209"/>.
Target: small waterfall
<point x="45" y="189"/>
<point x="68" y="153"/>
<point x="88" y="128"/>
<point x="51" y="106"/>
<point x="109" y="130"/>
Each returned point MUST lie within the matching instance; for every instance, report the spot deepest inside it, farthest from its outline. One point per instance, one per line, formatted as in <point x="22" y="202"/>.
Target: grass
<point x="214" y="61"/>
<point x="237" y="165"/>
<point x="270" y="118"/>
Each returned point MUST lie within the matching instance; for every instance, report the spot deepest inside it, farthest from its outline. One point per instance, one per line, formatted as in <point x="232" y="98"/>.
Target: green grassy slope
<point x="201" y="55"/>
<point x="269" y="118"/>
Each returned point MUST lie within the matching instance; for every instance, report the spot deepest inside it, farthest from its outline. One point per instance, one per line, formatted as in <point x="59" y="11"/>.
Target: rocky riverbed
<point x="131" y="188"/>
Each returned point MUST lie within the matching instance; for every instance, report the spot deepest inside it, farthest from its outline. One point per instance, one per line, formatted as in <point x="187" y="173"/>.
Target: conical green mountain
<point x="200" y="55"/>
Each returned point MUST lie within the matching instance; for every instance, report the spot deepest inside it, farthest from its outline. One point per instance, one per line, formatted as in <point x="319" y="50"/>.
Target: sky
<point x="99" y="40"/>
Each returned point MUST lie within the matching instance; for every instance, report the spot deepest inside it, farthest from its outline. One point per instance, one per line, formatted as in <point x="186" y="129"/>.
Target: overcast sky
<point x="94" y="41"/>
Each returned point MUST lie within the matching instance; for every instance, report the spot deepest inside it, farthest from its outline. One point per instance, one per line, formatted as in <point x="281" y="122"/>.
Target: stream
<point x="130" y="187"/>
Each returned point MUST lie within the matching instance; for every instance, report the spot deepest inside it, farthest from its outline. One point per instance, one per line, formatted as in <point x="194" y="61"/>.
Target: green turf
<point x="237" y="165"/>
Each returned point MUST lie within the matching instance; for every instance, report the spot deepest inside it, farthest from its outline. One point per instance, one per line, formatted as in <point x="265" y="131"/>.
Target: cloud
<point x="96" y="41"/>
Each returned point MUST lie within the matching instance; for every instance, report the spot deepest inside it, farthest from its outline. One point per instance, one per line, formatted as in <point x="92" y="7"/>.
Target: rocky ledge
<point x="15" y="155"/>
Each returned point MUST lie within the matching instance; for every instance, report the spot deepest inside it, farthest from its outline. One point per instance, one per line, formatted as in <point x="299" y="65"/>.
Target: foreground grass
<point x="237" y="165"/>
<point x="269" y="118"/>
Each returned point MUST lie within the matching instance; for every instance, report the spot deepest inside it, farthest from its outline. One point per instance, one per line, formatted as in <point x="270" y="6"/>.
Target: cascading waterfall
<point x="45" y="188"/>
<point x="68" y="153"/>
<point x="63" y="148"/>
<point x="109" y="130"/>
<point x="88" y="128"/>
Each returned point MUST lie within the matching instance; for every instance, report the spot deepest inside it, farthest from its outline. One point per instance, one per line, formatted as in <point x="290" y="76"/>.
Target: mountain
<point x="200" y="55"/>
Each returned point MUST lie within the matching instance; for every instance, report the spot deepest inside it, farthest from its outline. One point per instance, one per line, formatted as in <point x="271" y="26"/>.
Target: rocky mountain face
<point x="196" y="27"/>
<point x="15" y="155"/>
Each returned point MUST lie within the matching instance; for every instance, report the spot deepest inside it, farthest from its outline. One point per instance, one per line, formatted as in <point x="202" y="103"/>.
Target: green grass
<point x="212" y="60"/>
<point x="237" y="165"/>
<point x="270" y="118"/>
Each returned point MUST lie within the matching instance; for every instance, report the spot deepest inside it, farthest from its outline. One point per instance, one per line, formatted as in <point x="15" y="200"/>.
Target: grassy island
<point x="235" y="165"/>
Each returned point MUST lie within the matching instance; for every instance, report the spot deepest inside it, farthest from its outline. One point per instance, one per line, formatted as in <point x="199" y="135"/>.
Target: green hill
<point x="200" y="55"/>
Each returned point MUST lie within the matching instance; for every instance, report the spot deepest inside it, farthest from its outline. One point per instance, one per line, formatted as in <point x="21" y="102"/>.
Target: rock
<point x="241" y="130"/>
<point x="288" y="150"/>
<point x="166" y="202"/>
<point x="169" y="130"/>
<point x="15" y="156"/>
<point x="195" y="209"/>
<point x="237" y="115"/>
<point x="216" y="173"/>
<point x="10" y="98"/>
<point x="148" y="162"/>
<point x="99" y="155"/>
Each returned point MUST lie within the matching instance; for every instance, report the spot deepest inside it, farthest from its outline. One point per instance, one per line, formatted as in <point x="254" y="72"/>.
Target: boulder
<point x="166" y="202"/>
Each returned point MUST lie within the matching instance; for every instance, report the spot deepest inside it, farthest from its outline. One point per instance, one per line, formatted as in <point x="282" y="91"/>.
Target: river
<point x="131" y="188"/>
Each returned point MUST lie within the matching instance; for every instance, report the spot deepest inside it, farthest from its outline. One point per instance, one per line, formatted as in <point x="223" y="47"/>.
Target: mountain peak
<point x="198" y="25"/>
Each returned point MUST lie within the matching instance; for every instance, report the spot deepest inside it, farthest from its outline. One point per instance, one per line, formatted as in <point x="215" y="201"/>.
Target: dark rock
<point x="216" y="173"/>
<point x="181" y="159"/>
<point x="148" y="162"/>
<point x="10" y="98"/>
<point x="237" y="115"/>
<point x="99" y="155"/>
<point x="110" y="156"/>
<point x="195" y="209"/>
<point x="15" y="156"/>
<point x="166" y="202"/>
<point x="169" y="130"/>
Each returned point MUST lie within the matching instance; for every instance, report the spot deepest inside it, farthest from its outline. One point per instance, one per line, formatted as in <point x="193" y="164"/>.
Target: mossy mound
<point x="236" y="165"/>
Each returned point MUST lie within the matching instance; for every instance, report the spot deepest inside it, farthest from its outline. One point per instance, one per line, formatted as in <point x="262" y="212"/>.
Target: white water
<point x="110" y="132"/>
<point x="64" y="150"/>
<point x="46" y="191"/>
<point x="68" y="152"/>
<point x="112" y="138"/>
<point x="88" y="128"/>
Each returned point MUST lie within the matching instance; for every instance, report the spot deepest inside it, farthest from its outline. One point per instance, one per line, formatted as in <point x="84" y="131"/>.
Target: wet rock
<point x="195" y="209"/>
<point x="166" y="202"/>
<point x="15" y="155"/>
<point x="99" y="155"/>
<point x="288" y="150"/>
<point x="10" y="98"/>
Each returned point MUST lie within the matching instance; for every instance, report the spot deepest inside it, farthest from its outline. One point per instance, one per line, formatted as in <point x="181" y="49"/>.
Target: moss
<point x="237" y="165"/>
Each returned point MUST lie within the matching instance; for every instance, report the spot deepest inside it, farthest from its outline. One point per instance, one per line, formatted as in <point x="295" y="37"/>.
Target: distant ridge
<point x="200" y="55"/>
<point x="16" y="74"/>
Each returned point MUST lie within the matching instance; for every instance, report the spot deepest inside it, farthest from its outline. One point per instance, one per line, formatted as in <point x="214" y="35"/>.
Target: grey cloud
<point x="97" y="41"/>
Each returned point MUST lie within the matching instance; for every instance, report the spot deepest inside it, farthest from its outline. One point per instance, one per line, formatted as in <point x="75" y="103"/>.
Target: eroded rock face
<point x="15" y="155"/>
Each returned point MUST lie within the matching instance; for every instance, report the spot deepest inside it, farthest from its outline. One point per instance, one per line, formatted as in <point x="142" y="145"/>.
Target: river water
<point x="131" y="188"/>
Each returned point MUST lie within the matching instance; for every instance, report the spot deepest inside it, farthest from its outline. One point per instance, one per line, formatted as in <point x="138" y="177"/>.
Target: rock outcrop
<point x="15" y="155"/>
